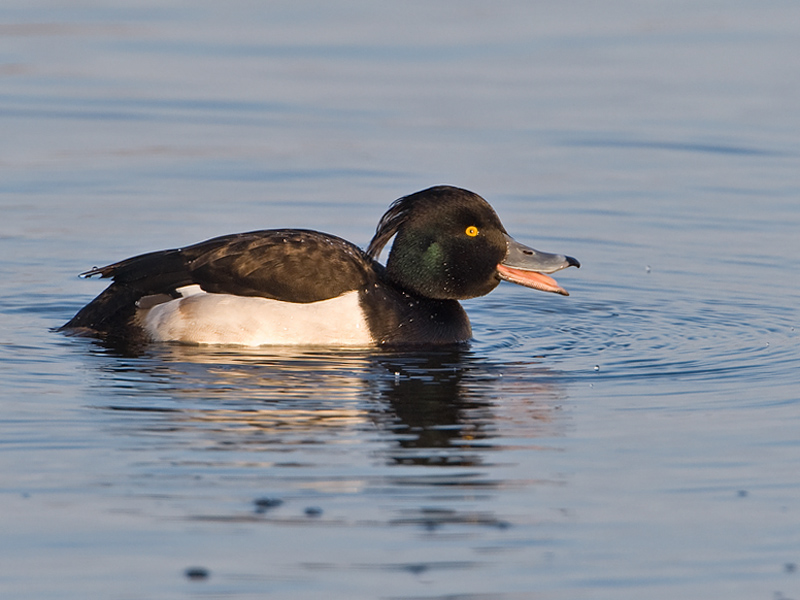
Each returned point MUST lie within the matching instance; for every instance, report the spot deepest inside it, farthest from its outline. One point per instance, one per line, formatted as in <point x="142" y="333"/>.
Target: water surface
<point x="636" y="439"/>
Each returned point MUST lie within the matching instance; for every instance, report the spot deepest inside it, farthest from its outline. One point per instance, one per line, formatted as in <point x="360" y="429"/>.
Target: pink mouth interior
<point x="531" y="279"/>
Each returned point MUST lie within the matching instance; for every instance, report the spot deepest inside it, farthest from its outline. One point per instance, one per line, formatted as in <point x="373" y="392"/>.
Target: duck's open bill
<point x="525" y="266"/>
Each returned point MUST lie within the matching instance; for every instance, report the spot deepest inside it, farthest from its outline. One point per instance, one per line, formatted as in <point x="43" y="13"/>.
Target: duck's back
<point x="288" y="267"/>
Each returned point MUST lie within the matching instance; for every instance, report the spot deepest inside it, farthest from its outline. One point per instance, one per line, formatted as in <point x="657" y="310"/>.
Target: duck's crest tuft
<point x="398" y="213"/>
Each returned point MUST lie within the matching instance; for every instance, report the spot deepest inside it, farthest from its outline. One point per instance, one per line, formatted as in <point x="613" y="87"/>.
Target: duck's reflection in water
<point x="442" y="407"/>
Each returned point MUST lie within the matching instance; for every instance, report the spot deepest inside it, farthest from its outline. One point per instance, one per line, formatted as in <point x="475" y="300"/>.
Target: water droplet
<point x="197" y="573"/>
<point x="265" y="504"/>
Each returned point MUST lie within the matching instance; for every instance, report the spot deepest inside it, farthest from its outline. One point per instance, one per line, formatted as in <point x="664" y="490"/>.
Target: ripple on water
<point x="711" y="340"/>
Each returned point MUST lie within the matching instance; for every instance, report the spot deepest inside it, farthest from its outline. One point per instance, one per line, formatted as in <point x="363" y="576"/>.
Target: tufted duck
<point x="295" y="286"/>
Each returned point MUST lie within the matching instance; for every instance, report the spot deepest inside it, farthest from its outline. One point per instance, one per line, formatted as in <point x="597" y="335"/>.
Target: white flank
<point x="202" y="318"/>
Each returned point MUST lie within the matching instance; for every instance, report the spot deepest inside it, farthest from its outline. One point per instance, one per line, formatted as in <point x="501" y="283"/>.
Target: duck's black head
<point x="451" y="244"/>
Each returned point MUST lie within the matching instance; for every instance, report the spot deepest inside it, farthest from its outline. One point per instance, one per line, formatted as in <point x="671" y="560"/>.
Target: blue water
<point x="638" y="439"/>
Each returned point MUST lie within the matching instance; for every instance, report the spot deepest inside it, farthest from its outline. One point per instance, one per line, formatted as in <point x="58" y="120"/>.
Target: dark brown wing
<point x="285" y="264"/>
<point x="292" y="265"/>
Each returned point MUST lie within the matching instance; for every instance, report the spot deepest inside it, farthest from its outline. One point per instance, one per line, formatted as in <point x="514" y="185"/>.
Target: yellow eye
<point x="472" y="231"/>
